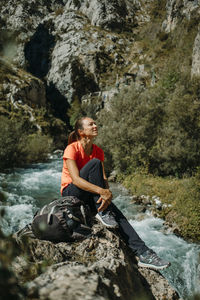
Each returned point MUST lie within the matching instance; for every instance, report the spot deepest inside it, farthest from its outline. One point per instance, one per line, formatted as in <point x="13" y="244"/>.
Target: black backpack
<point x="64" y="220"/>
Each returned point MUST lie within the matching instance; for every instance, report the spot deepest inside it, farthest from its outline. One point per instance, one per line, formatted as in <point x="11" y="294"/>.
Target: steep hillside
<point x="72" y="57"/>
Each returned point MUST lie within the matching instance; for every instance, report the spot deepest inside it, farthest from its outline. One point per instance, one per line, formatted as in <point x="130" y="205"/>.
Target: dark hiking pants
<point x="93" y="173"/>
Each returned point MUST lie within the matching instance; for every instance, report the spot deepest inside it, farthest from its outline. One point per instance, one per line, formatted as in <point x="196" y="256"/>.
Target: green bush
<point x="157" y="129"/>
<point x="19" y="145"/>
<point x="10" y="288"/>
<point x="74" y="112"/>
<point x="36" y="147"/>
<point x="180" y="195"/>
<point x="130" y="128"/>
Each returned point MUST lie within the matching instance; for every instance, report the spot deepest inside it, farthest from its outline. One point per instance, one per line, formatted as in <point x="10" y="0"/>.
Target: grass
<point x="182" y="194"/>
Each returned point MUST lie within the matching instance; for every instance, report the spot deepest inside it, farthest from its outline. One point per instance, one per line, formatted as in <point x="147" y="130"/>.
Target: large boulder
<point x="99" y="267"/>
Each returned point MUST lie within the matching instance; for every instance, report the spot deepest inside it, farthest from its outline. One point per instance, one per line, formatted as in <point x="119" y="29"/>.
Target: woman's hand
<point x="105" y="199"/>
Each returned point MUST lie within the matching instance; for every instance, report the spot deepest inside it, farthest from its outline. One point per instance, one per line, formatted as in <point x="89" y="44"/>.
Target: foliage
<point x="157" y="129"/>
<point x="181" y="194"/>
<point x="74" y="112"/>
<point x="36" y="147"/>
<point x="78" y="110"/>
<point x="9" y="285"/>
<point x="17" y="267"/>
<point x="52" y="126"/>
<point x="19" y="145"/>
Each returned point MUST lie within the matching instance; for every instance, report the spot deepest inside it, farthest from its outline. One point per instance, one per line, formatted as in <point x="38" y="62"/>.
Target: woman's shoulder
<point x="73" y="145"/>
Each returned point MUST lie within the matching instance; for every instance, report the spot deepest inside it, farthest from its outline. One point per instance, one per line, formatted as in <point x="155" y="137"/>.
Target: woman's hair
<point x="74" y="135"/>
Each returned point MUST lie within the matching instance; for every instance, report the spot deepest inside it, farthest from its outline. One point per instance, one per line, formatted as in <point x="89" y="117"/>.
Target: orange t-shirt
<point x="76" y="152"/>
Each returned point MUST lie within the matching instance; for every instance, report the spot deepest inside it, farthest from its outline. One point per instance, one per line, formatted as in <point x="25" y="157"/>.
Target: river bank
<point x="174" y="200"/>
<point x="27" y="189"/>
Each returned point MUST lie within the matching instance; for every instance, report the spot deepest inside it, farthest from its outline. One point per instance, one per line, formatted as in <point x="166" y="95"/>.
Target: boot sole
<point x="143" y="265"/>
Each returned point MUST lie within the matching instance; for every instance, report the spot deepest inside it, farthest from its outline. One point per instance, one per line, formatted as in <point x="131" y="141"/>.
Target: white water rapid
<point x="27" y="189"/>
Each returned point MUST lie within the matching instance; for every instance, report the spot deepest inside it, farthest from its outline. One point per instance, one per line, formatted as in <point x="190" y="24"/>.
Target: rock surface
<point x="20" y="87"/>
<point x="99" y="267"/>
<point x="178" y="10"/>
<point x="74" y="45"/>
<point x="107" y="14"/>
<point x="59" y="43"/>
<point x="195" y="71"/>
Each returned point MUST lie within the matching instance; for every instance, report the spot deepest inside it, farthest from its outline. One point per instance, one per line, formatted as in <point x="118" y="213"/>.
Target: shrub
<point x="130" y="130"/>
<point x="74" y="112"/>
<point x="19" y="145"/>
<point x="11" y="134"/>
<point x="180" y="195"/>
<point x="157" y="129"/>
<point x="177" y="147"/>
<point x="10" y="288"/>
<point x="35" y="148"/>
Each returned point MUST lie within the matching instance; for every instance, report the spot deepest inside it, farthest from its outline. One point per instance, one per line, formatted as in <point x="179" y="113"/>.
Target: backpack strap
<point x="50" y="214"/>
<point x="83" y="214"/>
<point x="42" y="210"/>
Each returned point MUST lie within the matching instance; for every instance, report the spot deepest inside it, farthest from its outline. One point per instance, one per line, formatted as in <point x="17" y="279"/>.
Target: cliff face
<point x="177" y="10"/>
<point x="80" y="47"/>
<point x="59" y="41"/>
<point x="100" y="267"/>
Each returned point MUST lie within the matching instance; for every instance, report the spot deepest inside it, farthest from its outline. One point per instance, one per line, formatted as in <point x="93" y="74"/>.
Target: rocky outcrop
<point x="20" y="87"/>
<point x="59" y="42"/>
<point x="107" y="14"/>
<point x="177" y="10"/>
<point x="99" y="267"/>
<point x="195" y="71"/>
<point x="72" y="45"/>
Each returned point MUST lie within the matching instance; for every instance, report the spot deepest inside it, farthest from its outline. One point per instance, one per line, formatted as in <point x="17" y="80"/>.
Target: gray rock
<point x="20" y="87"/>
<point x="57" y="40"/>
<point x="107" y="14"/>
<point x="177" y="9"/>
<point x="100" y="267"/>
<point x="195" y="71"/>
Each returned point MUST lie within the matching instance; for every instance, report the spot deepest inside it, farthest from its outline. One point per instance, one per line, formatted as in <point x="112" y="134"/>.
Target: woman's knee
<point x="96" y="161"/>
<point x="93" y="166"/>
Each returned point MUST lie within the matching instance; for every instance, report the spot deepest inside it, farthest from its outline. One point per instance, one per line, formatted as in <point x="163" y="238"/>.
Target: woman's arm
<point x="105" y="194"/>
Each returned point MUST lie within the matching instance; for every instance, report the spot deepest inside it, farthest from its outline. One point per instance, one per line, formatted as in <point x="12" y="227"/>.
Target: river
<point x="27" y="189"/>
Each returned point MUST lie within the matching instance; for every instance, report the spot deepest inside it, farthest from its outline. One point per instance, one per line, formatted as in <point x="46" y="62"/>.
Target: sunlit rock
<point x="99" y="267"/>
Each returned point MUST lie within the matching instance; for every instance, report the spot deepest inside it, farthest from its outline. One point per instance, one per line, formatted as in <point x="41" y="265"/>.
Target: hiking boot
<point x="149" y="259"/>
<point x="107" y="219"/>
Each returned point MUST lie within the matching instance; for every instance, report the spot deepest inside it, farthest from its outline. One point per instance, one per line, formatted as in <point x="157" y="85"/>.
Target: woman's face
<point x="89" y="128"/>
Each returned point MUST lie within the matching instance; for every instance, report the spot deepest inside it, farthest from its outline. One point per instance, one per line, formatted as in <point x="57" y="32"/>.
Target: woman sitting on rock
<point x="83" y="176"/>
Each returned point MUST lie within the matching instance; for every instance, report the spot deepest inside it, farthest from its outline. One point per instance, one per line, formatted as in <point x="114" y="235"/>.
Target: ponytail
<point x="74" y="135"/>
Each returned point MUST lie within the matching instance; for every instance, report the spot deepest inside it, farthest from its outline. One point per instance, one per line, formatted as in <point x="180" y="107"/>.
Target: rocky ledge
<point x="99" y="267"/>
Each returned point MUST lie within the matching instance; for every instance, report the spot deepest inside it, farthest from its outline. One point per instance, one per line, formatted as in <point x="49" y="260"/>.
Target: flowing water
<point x="27" y="189"/>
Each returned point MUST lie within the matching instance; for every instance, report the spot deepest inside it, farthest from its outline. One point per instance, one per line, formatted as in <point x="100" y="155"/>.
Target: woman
<point x="83" y="176"/>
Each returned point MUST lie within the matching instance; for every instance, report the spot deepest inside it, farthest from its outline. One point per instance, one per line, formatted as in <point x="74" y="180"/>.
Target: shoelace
<point x="154" y="256"/>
